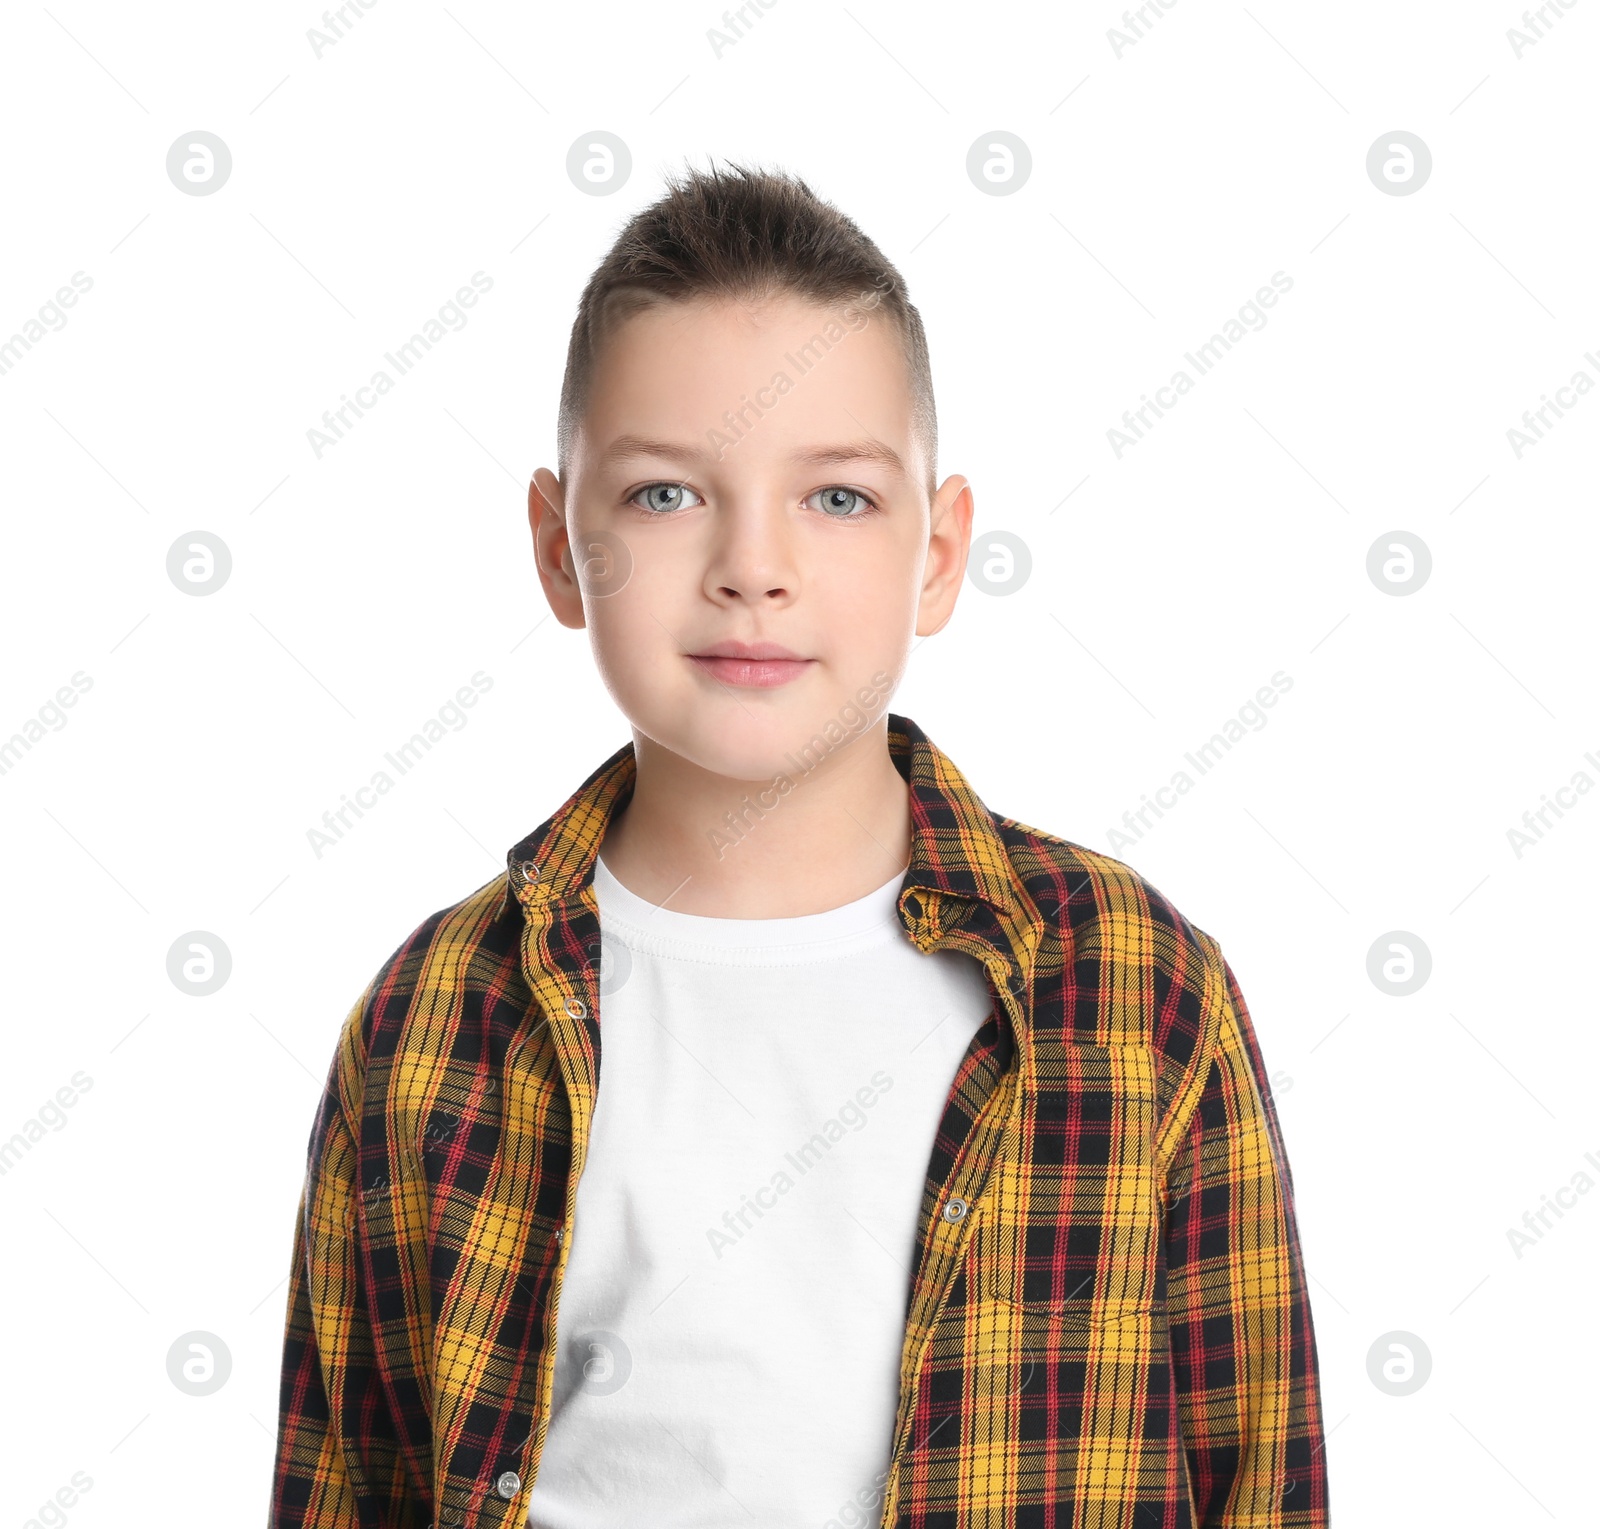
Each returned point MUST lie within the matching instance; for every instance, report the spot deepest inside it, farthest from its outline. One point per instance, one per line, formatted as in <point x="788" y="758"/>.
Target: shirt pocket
<point x="1072" y="1226"/>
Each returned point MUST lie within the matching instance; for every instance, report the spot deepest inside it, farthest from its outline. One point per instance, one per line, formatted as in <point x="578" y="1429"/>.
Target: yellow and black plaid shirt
<point x="1107" y="1325"/>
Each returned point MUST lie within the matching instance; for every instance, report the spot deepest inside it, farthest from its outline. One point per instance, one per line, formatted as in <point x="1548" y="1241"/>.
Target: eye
<point x="662" y="498"/>
<point x="843" y="503"/>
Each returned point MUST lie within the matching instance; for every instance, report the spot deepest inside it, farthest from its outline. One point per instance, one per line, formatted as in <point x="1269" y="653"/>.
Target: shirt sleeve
<point x="1239" y="1312"/>
<point x="332" y="1411"/>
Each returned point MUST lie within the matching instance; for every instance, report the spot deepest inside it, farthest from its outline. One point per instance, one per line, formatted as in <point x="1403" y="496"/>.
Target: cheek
<point x="622" y="569"/>
<point x="635" y="632"/>
<point x="873" y="581"/>
<point x="628" y="661"/>
<point x="620" y="624"/>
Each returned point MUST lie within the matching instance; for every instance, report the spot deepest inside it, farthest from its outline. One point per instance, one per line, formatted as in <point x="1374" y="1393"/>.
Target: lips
<point x="755" y="665"/>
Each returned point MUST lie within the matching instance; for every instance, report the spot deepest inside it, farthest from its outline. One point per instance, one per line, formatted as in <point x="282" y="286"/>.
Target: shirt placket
<point x="566" y="994"/>
<point x="943" y="1237"/>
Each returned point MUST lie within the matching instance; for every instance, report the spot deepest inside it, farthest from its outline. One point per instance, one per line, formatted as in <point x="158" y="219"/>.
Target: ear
<point x="552" y="549"/>
<point x="949" y="540"/>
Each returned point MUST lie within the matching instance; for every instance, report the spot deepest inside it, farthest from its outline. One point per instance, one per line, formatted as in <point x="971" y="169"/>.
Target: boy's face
<point x="804" y="525"/>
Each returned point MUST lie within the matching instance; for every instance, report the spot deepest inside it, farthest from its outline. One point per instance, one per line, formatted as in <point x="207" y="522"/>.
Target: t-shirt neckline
<point x="625" y="912"/>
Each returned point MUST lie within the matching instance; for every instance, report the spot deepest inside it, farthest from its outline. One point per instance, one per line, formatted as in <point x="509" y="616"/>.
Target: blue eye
<point x="842" y="503"/>
<point x="662" y="498"/>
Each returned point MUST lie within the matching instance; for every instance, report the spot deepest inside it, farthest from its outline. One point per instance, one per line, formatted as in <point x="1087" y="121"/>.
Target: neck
<point x="835" y="833"/>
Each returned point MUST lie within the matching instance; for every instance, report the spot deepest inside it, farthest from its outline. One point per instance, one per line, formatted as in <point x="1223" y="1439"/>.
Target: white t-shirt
<point x="734" y="1304"/>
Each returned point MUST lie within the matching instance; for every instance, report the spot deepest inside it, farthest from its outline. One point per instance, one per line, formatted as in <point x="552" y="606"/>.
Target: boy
<point x="785" y="1138"/>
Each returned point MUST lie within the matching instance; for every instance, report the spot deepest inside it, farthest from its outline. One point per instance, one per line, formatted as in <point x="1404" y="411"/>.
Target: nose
<point x="753" y="556"/>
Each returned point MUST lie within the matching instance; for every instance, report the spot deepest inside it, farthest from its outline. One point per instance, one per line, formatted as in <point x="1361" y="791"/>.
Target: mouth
<point x="754" y="665"/>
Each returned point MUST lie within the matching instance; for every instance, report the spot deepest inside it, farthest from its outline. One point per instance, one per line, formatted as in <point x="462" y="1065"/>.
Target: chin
<point x="740" y="739"/>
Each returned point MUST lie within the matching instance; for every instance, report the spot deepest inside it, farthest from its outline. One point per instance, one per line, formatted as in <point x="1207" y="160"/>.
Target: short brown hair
<point x="740" y="233"/>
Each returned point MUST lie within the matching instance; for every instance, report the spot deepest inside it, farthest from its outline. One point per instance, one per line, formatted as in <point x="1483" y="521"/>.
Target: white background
<point x="1168" y="184"/>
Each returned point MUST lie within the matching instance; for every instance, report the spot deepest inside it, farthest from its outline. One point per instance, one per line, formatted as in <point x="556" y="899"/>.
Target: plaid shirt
<point x="1107" y="1324"/>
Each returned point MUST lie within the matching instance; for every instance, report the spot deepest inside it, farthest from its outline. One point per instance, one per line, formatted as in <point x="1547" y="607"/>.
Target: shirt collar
<point x="956" y="849"/>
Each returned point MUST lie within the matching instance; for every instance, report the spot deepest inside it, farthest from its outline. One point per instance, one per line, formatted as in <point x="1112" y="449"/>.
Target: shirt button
<point x="955" y="1209"/>
<point x="561" y="1232"/>
<point x="509" y="1484"/>
<point x="576" y="1008"/>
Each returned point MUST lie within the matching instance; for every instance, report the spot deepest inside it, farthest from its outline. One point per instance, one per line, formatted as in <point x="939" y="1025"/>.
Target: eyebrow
<point x="627" y="446"/>
<point x="853" y="451"/>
